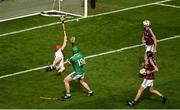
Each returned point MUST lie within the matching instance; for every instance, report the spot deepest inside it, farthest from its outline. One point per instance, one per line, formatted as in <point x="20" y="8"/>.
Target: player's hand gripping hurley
<point x="62" y="19"/>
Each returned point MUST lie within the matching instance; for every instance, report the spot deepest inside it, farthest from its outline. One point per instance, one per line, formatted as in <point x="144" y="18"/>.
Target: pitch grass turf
<point x="113" y="77"/>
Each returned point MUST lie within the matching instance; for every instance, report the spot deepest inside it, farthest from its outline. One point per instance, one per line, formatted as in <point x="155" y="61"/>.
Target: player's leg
<point x="143" y="86"/>
<point x="152" y="90"/>
<point x="86" y="86"/>
<point x="67" y="80"/>
<point x="146" y="83"/>
<point x="60" y="70"/>
<point x="145" y="59"/>
<point x="138" y="95"/>
<point x="145" y="55"/>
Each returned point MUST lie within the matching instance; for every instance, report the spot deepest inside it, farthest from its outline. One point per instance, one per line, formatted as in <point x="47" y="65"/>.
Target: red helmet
<point x="58" y="47"/>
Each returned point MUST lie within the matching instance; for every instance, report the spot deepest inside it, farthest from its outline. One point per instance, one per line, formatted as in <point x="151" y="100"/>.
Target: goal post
<point x="68" y="7"/>
<point x="85" y="8"/>
<point x="14" y="9"/>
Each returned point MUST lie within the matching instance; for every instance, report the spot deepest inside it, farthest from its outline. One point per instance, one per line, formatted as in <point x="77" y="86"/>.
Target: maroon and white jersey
<point x="148" y="36"/>
<point x="150" y="67"/>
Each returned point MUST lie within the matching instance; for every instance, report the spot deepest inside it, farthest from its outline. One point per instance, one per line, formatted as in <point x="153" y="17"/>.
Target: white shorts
<point x="75" y="76"/>
<point x="149" y="48"/>
<point x="147" y="83"/>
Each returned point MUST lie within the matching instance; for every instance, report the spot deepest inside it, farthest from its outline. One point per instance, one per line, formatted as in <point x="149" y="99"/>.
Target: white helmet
<point x="147" y="23"/>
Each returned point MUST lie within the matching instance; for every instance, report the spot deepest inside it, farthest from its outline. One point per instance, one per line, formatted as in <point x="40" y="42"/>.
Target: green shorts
<point x="75" y="76"/>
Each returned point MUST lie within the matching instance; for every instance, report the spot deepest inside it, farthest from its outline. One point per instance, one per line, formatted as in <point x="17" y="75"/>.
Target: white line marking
<point x="172" y="6"/>
<point x="169" y="38"/>
<point x="91" y="56"/>
<point x="21" y="72"/>
<point x="19" y="17"/>
<point x="114" y="51"/>
<point x="129" y="47"/>
<point x="111" y="12"/>
<point x="28" y="29"/>
<point x="130" y="8"/>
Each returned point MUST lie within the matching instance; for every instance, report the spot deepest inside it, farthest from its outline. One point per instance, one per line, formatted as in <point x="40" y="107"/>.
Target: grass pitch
<point x="113" y="77"/>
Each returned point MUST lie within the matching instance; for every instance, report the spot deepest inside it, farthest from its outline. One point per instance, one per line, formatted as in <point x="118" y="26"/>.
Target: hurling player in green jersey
<point x="77" y="61"/>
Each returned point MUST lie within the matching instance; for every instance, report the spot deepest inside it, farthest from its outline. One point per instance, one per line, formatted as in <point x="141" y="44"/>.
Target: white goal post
<point x="14" y="9"/>
<point x="68" y="7"/>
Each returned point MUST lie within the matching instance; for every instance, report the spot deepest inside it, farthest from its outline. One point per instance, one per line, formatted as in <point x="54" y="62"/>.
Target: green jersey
<point x="76" y="61"/>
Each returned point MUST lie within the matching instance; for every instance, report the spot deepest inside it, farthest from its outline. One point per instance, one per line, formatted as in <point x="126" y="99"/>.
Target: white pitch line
<point x="114" y="51"/>
<point x="129" y="47"/>
<point x="33" y="28"/>
<point x="21" y="72"/>
<point x="172" y="6"/>
<point x="130" y="8"/>
<point x="91" y="56"/>
<point x="111" y="12"/>
<point x="19" y="17"/>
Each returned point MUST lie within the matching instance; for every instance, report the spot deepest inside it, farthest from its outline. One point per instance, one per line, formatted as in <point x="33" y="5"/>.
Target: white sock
<point x="68" y="94"/>
<point x="90" y="91"/>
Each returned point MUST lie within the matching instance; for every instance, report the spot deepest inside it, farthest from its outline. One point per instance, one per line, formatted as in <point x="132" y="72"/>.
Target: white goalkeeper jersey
<point x="57" y="55"/>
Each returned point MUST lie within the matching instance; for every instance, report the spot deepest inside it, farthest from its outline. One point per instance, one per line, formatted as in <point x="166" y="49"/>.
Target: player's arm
<point x="67" y="62"/>
<point x="65" y="41"/>
<point x="144" y="65"/>
<point x="142" y="39"/>
<point x="84" y="61"/>
<point x="154" y="38"/>
<point x="60" y="71"/>
<point x="52" y="67"/>
<point x="154" y="66"/>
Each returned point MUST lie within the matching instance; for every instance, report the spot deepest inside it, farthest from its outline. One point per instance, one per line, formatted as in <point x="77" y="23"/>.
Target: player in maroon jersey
<point x="148" y="38"/>
<point x="151" y="69"/>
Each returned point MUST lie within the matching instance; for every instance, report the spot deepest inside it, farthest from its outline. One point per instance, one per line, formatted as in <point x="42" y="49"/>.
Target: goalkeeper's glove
<point x="50" y="68"/>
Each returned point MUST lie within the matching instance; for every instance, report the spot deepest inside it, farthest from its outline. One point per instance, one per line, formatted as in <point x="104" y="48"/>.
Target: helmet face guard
<point x="146" y="23"/>
<point x="149" y="54"/>
<point x="75" y="50"/>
